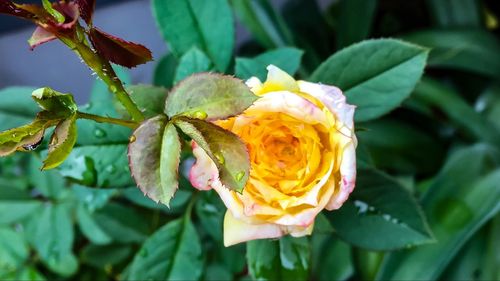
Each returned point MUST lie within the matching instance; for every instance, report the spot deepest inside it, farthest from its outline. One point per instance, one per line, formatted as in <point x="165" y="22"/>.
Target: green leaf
<point x="471" y="263"/>
<point x="48" y="183"/>
<point x="27" y="137"/>
<point x="16" y="205"/>
<point x="209" y="95"/>
<point x="16" y="107"/>
<point x="101" y="165"/>
<point x="228" y="152"/>
<point x="148" y="98"/>
<point x="212" y="210"/>
<point x="355" y="21"/>
<point x="169" y="163"/>
<point x="51" y="234"/>
<point x="165" y="71"/>
<point x="171" y="253"/>
<point x="105" y="256"/>
<point x="14" y="251"/>
<point x="331" y="258"/>
<point x="208" y="25"/>
<point x="58" y="104"/>
<point x="154" y="156"/>
<point x="474" y="50"/>
<point x="380" y="206"/>
<point x="287" y="58"/>
<point x="463" y="196"/>
<point x="264" y="22"/>
<point x="121" y="224"/>
<point x="193" y="61"/>
<point x="284" y="259"/>
<point x="375" y="75"/>
<point x="61" y="143"/>
<point x="90" y="228"/>
<point x="406" y="154"/>
<point x="457" y="13"/>
<point x="456" y="109"/>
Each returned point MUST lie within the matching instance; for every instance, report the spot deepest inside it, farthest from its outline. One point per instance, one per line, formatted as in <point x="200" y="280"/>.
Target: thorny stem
<point x="104" y="70"/>
<point x="102" y="119"/>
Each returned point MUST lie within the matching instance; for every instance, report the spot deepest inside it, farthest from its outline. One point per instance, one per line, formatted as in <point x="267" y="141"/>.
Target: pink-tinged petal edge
<point x="204" y="172"/>
<point x="39" y="37"/>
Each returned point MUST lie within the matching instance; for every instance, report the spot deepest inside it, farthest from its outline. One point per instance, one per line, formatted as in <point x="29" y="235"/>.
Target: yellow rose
<point x="300" y="137"/>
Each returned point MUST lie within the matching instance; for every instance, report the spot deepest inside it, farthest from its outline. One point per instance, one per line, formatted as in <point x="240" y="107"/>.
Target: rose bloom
<point x="301" y="142"/>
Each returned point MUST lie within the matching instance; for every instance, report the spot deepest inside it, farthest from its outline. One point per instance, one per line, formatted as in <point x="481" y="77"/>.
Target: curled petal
<point x="238" y="231"/>
<point x="204" y="172"/>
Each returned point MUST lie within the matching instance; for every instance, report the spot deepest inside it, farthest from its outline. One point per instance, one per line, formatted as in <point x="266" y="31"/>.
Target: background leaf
<point x="193" y="61"/>
<point x="172" y="253"/>
<point x="463" y="197"/>
<point x="381" y="206"/>
<point x="284" y="259"/>
<point x="286" y="58"/>
<point x="355" y="21"/>
<point x="390" y="71"/>
<point x="207" y="25"/>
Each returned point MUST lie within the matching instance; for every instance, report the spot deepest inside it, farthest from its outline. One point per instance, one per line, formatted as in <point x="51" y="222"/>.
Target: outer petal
<point x="333" y="99"/>
<point x="204" y="172"/>
<point x="291" y="104"/>
<point x="348" y="181"/>
<point x="277" y="80"/>
<point x="237" y="231"/>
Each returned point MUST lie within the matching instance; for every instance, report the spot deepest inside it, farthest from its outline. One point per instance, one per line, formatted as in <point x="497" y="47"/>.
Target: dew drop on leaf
<point x="99" y="133"/>
<point x="111" y="169"/>
<point x="220" y="158"/>
<point x="132" y="139"/>
<point x="239" y="176"/>
<point x="200" y="115"/>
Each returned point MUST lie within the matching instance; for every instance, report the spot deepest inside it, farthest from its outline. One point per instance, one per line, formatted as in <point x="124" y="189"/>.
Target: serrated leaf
<point x="51" y="234"/>
<point x="211" y="96"/>
<point x="121" y="223"/>
<point x="119" y="51"/>
<point x="464" y="195"/>
<point x="228" y="152"/>
<point x="61" y="143"/>
<point x="14" y="251"/>
<point x="208" y="25"/>
<point x="16" y="107"/>
<point x="284" y="259"/>
<point x="172" y="253"/>
<point x="193" y="61"/>
<point x="90" y="228"/>
<point x="154" y="156"/>
<point x="286" y="58"/>
<point x="381" y="206"/>
<point x="58" y="104"/>
<point x="390" y="70"/>
<point x="86" y="8"/>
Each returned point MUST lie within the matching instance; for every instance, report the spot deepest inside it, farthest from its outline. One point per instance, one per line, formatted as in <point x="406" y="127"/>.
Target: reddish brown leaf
<point x="86" y="9"/>
<point x="119" y="51"/>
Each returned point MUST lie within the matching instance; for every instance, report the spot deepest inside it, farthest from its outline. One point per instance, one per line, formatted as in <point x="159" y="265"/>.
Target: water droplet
<point x="14" y="135"/>
<point x="113" y="88"/>
<point x="33" y="146"/>
<point x="239" y="176"/>
<point x="220" y="158"/>
<point x="200" y="115"/>
<point x="132" y="139"/>
<point x="111" y="169"/>
<point x="99" y="133"/>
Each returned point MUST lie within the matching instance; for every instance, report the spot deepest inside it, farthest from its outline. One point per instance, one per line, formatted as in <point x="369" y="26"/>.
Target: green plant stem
<point x="104" y="70"/>
<point x="102" y="119"/>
